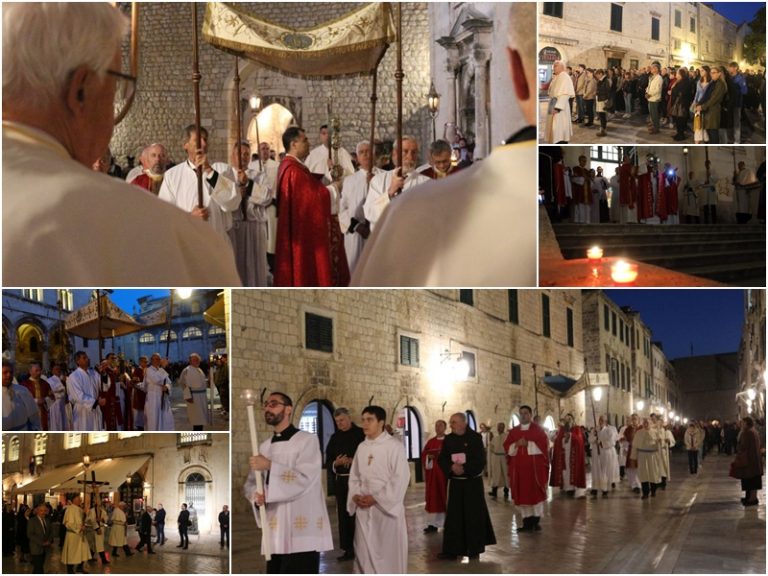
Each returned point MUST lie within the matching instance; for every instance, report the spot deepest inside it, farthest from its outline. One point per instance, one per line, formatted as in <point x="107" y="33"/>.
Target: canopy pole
<point x="98" y="322"/>
<point x="399" y="79"/>
<point x="374" y="98"/>
<point x="196" y="86"/>
<point x="237" y="116"/>
<point x="170" y="319"/>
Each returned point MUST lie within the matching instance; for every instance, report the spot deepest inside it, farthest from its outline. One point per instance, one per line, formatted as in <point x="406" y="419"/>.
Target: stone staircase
<point x="728" y="253"/>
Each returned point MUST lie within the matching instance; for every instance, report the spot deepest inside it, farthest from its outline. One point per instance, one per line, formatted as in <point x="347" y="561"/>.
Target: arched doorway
<point x="194" y="496"/>
<point x="547" y="57"/>
<point x="549" y="423"/>
<point x="410" y="423"/>
<point x="514" y="420"/>
<point x="317" y="418"/>
<point x="273" y="121"/>
<point x="132" y="493"/>
<point x="29" y="345"/>
<point x="471" y="420"/>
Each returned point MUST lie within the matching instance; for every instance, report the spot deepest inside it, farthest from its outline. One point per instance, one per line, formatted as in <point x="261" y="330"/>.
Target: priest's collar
<point x="285" y="435"/>
<point x="527" y="133"/>
<point x="525" y="426"/>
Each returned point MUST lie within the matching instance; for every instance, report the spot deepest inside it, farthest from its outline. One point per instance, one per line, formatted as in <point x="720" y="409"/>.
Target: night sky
<point x="711" y="320"/>
<point x="126" y="299"/>
<point x="737" y="12"/>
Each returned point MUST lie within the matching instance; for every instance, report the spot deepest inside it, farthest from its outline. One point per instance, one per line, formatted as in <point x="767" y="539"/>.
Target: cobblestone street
<point x="697" y="525"/>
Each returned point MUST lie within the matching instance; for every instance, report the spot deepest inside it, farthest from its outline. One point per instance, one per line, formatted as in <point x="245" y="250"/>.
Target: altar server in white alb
<point x="83" y="387"/>
<point x="195" y="387"/>
<point x="378" y="481"/>
<point x="354" y="225"/>
<point x="63" y="223"/>
<point x="221" y="195"/>
<point x="605" y="460"/>
<point x="157" y="408"/>
<point x="291" y="465"/>
<point x="477" y="227"/>
<point x="19" y="407"/>
<point x="265" y="165"/>
<point x="559" y="128"/>
<point x="60" y="413"/>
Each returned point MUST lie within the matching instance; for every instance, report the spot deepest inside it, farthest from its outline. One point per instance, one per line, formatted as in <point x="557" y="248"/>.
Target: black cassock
<point x="468" y="529"/>
<point x="345" y="443"/>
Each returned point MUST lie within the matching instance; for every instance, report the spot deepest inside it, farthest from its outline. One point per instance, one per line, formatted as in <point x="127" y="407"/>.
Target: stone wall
<point x="164" y="100"/>
<point x="708" y="386"/>
<point x="268" y="351"/>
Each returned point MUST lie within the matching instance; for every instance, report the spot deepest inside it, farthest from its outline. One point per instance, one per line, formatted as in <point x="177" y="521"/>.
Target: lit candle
<point x="595" y="253"/>
<point x="622" y="272"/>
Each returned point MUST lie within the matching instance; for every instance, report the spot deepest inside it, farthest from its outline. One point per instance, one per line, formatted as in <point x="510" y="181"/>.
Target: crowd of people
<point x="712" y="104"/>
<point x="116" y="395"/>
<point x="369" y="476"/>
<point x="91" y="533"/>
<point x="655" y="193"/>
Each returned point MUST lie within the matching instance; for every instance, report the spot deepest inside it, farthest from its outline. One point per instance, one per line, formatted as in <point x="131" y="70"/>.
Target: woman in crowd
<point x="680" y="102"/>
<point x="748" y="465"/>
<point x="703" y="87"/>
<point x="604" y="99"/>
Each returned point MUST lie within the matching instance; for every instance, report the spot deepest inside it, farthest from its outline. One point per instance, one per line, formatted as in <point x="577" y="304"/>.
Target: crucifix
<point x="370" y="459"/>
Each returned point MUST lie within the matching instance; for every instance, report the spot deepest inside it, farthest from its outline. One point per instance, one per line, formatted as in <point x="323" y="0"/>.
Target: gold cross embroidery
<point x="370" y="459"/>
<point x="320" y="523"/>
<point x="300" y="523"/>
<point x="288" y="476"/>
<point x="273" y="522"/>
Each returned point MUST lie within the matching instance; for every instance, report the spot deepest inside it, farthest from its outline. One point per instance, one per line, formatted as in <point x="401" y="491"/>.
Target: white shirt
<point x="378" y="198"/>
<point x="66" y="225"/>
<point x="317" y="161"/>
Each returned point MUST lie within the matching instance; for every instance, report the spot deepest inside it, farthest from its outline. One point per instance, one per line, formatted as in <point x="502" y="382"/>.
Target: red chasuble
<point x="144" y="181"/>
<point x="111" y="410"/>
<point x="671" y="193"/>
<point x="578" y="470"/>
<point x="629" y="436"/>
<point x="581" y="194"/>
<point x="40" y="392"/>
<point x="310" y="246"/>
<point x="662" y="210"/>
<point x="528" y="474"/>
<point x="560" y="199"/>
<point x="626" y="195"/>
<point x="139" y="397"/>
<point x="645" y="200"/>
<point x="437" y="485"/>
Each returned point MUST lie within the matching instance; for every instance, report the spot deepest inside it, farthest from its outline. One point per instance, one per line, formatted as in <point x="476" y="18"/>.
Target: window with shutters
<point x="517" y="376"/>
<point x="693" y="25"/>
<point x="513" y="311"/>
<point x="467" y="297"/>
<point x="545" y="327"/>
<point x="569" y="316"/>
<point x="655" y="29"/>
<point x="469" y="358"/>
<point x="617" y="12"/>
<point x="606" y="317"/>
<point x="678" y="19"/>
<point x="409" y="351"/>
<point x="553" y="9"/>
<point x="318" y="332"/>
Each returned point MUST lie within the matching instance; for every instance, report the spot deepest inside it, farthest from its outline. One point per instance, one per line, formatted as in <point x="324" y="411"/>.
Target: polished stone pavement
<point x="204" y="556"/>
<point x="179" y="410"/>
<point x="697" y="525"/>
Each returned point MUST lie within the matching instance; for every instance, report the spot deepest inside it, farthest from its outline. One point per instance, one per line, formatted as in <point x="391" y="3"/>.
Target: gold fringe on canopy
<point x="353" y="44"/>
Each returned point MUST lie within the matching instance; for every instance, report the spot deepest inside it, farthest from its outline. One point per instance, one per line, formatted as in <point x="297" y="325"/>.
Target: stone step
<point x="737" y="274"/>
<point x="653" y="230"/>
<point x="641" y="249"/>
<point x="721" y="259"/>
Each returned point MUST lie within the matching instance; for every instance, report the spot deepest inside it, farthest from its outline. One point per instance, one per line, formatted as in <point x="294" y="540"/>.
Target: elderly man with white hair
<point x="477" y="228"/>
<point x="154" y="160"/>
<point x="354" y="225"/>
<point x="194" y="386"/>
<point x="386" y="186"/>
<point x="59" y="87"/>
<point x="559" y="129"/>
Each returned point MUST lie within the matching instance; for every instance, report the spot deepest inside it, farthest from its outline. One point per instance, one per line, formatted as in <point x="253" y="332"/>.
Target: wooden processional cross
<point x="94" y="491"/>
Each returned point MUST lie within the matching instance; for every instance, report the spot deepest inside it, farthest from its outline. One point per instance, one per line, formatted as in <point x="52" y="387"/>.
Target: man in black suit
<point x="224" y="526"/>
<point x="145" y="531"/>
<point x="183" y="527"/>
<point x="40" y="534"/>
<point x="160" y="524"/>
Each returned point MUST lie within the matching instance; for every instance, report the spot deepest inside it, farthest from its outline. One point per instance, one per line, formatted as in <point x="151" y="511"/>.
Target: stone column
<point x="448" y="103"/>
<point x="482" y="147"/>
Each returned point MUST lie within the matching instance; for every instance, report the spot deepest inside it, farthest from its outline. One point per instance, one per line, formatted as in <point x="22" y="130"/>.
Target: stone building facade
<point x="663" y="395"/>
<point x="752" y="354"/>
<point x="180" y="468"/>
<point x="642" y="364"/>
<point x="634" y="34"/>
<point x="708" y="386"/>
<point x="399" y="349"/>
<point x="164" y="98"/>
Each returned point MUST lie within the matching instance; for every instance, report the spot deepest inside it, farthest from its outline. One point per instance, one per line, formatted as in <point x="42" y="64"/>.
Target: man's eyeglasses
<point x="125" y="90"/>
<point x="273" y="404"/>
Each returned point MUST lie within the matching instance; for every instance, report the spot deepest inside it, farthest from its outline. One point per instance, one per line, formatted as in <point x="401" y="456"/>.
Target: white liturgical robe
<point x="117" y="534"/>
<point x="66" y="225"/>
<point x="559" y="127"/>
<point x="157" y="408"/>
<point x="180" y="189"/>
<point x="195" y="386"/>
<point x="667" y="442"/>
<point x="75" y="548"/>
<point x="83" y="391"/>
<point x="317" y="161"/>
<point x="605" y="465"/>
<point x="355" y="189"/>
<point x="380" y="469"/>
<point x="377" y="200"/>
<point x="19" y="409"/>
<point x="59" y="417"/>
<point x="296" y="509"/>
<point x="471" y="229"/>
<point x="270" y="168"/>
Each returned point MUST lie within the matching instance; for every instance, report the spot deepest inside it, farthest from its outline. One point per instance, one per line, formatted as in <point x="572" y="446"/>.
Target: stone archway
<point x="196" y="487"/>
<point x="273" y="121"/>
<point x="30" y="344"/>
<point x="61" y="347"/>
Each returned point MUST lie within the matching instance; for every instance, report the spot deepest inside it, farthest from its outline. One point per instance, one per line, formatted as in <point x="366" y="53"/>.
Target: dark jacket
<point x="183" y="519"/>
<point x="748" y="462"/>
<point x="681" y="95"/>
<point x="603" y="89"/>
<point x="160" y="516"/>
<point x="711" y="104"/>
<point x="224" y="519"/>
<point x="145" y="523"/>
<point x="37" y="535"/>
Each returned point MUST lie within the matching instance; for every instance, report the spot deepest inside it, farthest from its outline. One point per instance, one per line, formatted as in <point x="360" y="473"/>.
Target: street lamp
<point x="640" y="405"/>
<point x="751" y="394"/>
<point x="182" y="293"/>
<point x="597" y="393"/>
<point x="433" y="105"/>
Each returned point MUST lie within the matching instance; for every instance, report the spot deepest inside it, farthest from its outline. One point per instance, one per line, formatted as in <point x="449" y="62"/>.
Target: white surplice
<point x="66" y="225"/>
<point x="377" y="201"/>
<point x="380" y="469"/>
<point x="195" y="386"/>
<point x="354" y="192"/>
<point x="83" y="391"/>
<point x="60" y="413"/>
<point x="75" y="548"/>
<point x="559" y="128"/>
<point x="296" y="509"/>
<point x="19" y="409"/>
<point x="270" y="168"/>
<point x="605" y="465"/>
<point x="317" y="161"/>
<point x="157" y="408"/>
<point x="475" y="228"/>
<point x="667" y="442"/>
<point x="117" y="534"/>
<point x="180" y="189"/>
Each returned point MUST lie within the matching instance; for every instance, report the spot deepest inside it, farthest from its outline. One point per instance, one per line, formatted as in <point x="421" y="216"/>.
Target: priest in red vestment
<point x="110" y="409"/>
<point x="138" y="397"/>
<point x="41" y="392"/>
<point x="527" y="450"/>
<point x="645" y="192"/>
<point x="627" y="191"/>
<point x="310" y="245"/>
<point x="436" y="489"/>
<point x="568" y="469"/>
